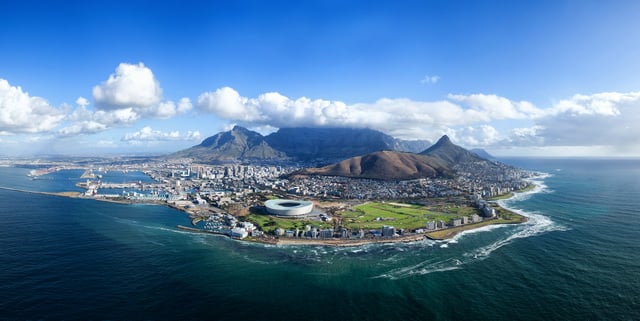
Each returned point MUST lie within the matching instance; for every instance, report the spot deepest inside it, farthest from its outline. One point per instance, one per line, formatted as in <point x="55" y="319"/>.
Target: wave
<point x="537" y="224"/>
<point x="422" y="268"/>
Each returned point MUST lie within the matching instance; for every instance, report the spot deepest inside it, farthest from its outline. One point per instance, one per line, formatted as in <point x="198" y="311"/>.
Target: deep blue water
<point x="578" y="258"/>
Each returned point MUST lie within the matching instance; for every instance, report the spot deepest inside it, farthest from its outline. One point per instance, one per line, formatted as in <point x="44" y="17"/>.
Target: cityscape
<point x="227" y="198"/>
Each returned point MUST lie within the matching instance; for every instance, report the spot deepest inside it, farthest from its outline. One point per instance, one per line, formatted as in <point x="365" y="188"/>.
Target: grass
<point x="269" y="223"/>
<point x="505" y="217"/>
<point x="374" y="215"/>
<point x="407" y="216"/>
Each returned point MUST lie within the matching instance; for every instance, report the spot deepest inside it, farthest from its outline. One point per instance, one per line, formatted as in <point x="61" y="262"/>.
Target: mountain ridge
<point x="384" y="165"/>
<point x="303" y="143"/>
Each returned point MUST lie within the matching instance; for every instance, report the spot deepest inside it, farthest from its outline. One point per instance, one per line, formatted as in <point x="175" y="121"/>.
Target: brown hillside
<point x="386" y="165"/>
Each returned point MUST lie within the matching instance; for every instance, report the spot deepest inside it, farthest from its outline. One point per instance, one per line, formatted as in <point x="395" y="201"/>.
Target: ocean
<point x="577" y="258"/>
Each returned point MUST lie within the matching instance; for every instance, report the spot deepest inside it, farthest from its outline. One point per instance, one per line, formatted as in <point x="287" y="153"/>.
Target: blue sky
<point x="552" y="78"/>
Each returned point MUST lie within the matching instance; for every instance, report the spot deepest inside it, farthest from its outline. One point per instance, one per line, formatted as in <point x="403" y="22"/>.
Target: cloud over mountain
<point x="400" y="117"/>
<point x="132" y="93"/>
<point x="474" y="120"/>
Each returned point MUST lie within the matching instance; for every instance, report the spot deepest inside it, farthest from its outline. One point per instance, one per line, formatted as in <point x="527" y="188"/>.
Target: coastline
<point x="438" y="235"/>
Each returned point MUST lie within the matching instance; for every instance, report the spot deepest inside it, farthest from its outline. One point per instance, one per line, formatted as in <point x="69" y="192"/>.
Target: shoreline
<point x="438" y="235"/>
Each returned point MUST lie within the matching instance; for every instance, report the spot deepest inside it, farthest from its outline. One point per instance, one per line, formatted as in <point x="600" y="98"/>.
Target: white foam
<point x="537" y="224"/>
<point x="421" y="268"/>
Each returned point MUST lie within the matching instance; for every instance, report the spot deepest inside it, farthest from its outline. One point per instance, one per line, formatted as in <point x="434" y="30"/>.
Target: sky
<point x="517" y="78"/>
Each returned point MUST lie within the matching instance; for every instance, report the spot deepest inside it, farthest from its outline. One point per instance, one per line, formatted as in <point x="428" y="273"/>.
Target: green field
<point x="407" y="216"/>
<point x="372" y="215"/>
<point x="269" y="223"/>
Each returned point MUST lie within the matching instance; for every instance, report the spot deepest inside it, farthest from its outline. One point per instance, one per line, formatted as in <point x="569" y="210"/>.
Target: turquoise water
<point x="578" y="258"/>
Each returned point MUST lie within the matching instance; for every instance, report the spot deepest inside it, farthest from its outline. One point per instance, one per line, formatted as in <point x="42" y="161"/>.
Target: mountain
<point x="336" y="143"/>
<point x="306" y="144"/>
<point x="386" y="165"/>
<point x="482" y="153"/>
<point x="236" y="144"/>
<point x="450" y="153"/>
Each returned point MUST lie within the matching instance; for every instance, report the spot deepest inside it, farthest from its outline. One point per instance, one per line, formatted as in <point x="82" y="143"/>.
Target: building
<point x="239" y="232"/>
<point x="326" y="233"/>
<point x="488" y="211"/>
<point x="388" y="231"/>
<point x="285" y="207"/>
<point x="456" y="222"/>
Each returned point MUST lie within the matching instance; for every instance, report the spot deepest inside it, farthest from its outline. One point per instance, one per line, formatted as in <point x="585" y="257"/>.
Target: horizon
<point x="554" y="79"/>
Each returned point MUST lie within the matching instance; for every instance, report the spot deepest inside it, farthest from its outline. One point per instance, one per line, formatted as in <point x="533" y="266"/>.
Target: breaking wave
<point x="537" y="224"/>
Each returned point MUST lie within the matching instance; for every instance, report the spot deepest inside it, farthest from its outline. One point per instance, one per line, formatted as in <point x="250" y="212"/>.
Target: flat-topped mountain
<point x="336" y="143"/>
<point x="296" y="143"/>
<point x="386" y="165"/>
<point x="236" y="144"/>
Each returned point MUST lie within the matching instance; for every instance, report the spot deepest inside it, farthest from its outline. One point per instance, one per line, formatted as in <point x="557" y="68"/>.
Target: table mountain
<point x="306" y="144"/>
<point x="336" y="143"/>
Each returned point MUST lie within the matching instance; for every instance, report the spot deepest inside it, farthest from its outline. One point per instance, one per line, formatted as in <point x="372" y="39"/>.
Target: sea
<point x="577" y="258"/>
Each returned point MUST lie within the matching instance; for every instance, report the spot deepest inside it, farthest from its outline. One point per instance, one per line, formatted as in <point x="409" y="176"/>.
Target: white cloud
<point x="132" y="93"/>
<point x="169" y="109"/>
<point x="227" y="103"/>
<point x="131" y="86"/>
<point x="604" y="119"/>
<point x="496" y="107"/>
<point x="525" y="136"/>
<point x="429" y="79"/>
<point x="184" y="105"/>
<point x="400" y="117"/>
<point x="147" y="134"/>
<point x="82" y="102"/>
<point x="83" y="127"/>
<point x="22" y="113"/>
<point x="483" y="135"/>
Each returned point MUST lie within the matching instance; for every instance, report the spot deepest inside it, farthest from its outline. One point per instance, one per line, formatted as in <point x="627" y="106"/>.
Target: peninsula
<point x="271" y="197"/>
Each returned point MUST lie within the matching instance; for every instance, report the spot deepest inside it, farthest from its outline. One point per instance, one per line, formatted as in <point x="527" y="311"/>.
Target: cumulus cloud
<point x="522" y="137"/>
<point x="132" y="93"/>
<point x="495" y="107"/>
<point x="590" y="120"/>
<point x="602" y="119"/>
<point x="400" y="117"/>
<point x="227" y="103"/>
<point x="85" y="121"/>
<point x="483" y="135"/>
<point x="22" y="113"/>
<point x="82" y="102"/>
<point x="131" y="86"/>
<point x="147" y="134"/>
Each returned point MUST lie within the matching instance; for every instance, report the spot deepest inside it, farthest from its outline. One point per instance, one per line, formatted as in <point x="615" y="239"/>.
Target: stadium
<point x="285" y="207"/>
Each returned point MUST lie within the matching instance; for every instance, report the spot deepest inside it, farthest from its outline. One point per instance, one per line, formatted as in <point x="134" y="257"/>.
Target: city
<point x="229" y="199"/>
